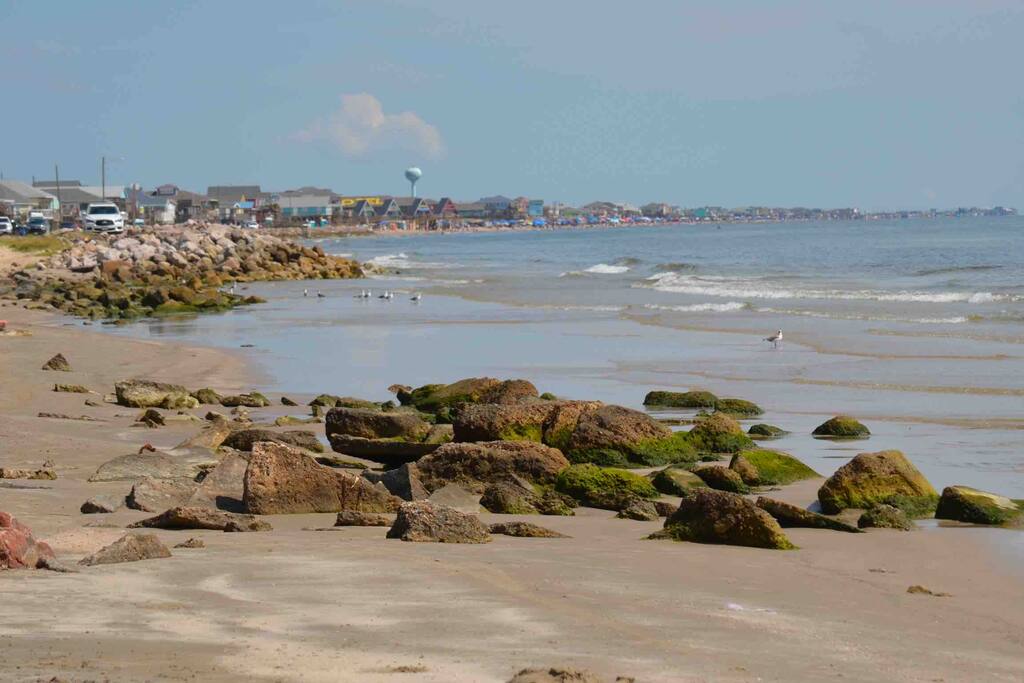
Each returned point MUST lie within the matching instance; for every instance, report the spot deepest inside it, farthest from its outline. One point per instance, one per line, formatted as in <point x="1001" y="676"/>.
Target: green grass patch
<point x="39" y="245"/>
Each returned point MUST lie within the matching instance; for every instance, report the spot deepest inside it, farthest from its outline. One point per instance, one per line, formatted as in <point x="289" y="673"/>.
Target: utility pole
<point x="60" y="204"/>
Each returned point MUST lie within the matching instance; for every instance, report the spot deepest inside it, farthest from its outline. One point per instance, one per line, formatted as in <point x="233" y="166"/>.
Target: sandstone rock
<point x="710" y="516"/>
<point x="388" y="452"/>
<point x="102" y="504"/>
<point x="153" y="495"/>
<point x="748" y="473"/>
<point x="191" y="543"/>
<point x="244" y="439"/>
<point x="555" y="503"/>
<point x="665" y="508"/>
<point x="965" y="504"/>
<point x="151" y="418"/>
<point x="355" y="518"/>
<point x="207" y="397"/>
<point x="640" y="510"/>
<point x="722" y="479"/>
<point x="58" y="363"/>
<point x="141" y="393"/>
<point x="403" y="482"/>
<point x="509" y="391"/>
<point x="183" y="517"/>
<point x="603" y="487"/>
<point x="841" y="427"/>
<point x="17" y="473"/>
<point x="285" y="401"/>
<point x="613" y="435"/>
<point x="281" y="479"/>
<point x="370" y="424"/>
<point x="674" y="481"/>
<point x="457" y="498"/>
<point x="433" y="397"/>
<point x="474" y="465"/>
<point x="737" y="407"/>
<point x="210" y="438"/>
<point x="524" y="530"/>
<point x="508" y="422"/>
<point x="680" y="399"/>
<point x="511" y="497"/>
<point x="70" y="389"/>
<point x="253" y="399"/>
<point x="875" y="478"/>
<point x="793" y="516"/>
<point x="156" y="465"/>
<point x="222" y="487"/>
<point x="884" y="516"/>
<point x="772" y="467"/>
<point x="19" y="549"/>
<point x="424" y="521"/>
<point x="718" y="433"/>
<point x="128" y="548"/>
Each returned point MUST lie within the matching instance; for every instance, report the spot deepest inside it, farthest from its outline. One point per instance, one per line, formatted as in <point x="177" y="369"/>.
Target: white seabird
<point x="775" y="339"/>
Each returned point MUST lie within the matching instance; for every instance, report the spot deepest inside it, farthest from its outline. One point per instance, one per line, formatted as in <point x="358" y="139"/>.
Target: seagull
<point x="360" y="295"/>
<point x="416" y="298"/>
<point x="385" y="295"/>
<point x="775" y="339"/>
<point x="305" y="292"/>
<point x="321" y="294"/>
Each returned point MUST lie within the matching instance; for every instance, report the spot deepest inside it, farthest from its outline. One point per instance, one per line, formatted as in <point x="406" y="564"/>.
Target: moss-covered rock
<point x="776" y="468"/>
<point x="718" y="433"/>
<point x="141" y="393"/>
<point x="433" y="397"/>
<point x="793" y="516"/>
<point x="738" y="407"/>
<point x="841" y="427"/>
<point x="748" y="473"/>
<point x="763" y="431"/>
<point x="603" y="487"/>
<point x="965" y="504"/>
<point x="722" y="479"/>
<point x="207" y="397"/>
<point x="253" y="399"/>
<point x="680" y="399"/>
<point x="640" y="510"/>
<point x="70" y="389"/>
<point x="620" y="435"/>
<point x="872" y="478"/>
<point x="675" y="481"/>
<point x="709" y="516"/>
<point x="474" y="466"/>
<point x="552" y="502"/>
<point x="883" y="516"/>
<point x="509" y="498"/>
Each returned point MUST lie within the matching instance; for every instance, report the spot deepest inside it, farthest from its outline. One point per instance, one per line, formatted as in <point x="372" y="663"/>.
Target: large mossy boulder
<point x="841" y="427"/>
<point x="494" y="422"/>
<point x="718" y="433"/>
<point x="616" y="436"/>
<point x="439" y="398"/>
<point x="965" y="504"/>
<point x="675" y="481"/>
<point x="603" y="487"/>
<point x="143" y="393"/>
<point x="774" y="467"/>
<point x="475" y="465"/>
<point x="710" y="516"/>
<point x="680" y="399"/>
<point x="374" y="424"/>
<point x="738" y="407"/>
<point x="872" y="478"/>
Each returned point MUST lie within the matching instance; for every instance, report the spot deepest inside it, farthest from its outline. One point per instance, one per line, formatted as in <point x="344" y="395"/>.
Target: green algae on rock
<point x="872" y="478"/>
<point x="709" y="516"/>
<point x="603" y="487"/>
<point x="884" y="516"/>
<point x="775" y="467"/>
<point x="738" y="407"/>
<point x="965" y="504"/>
<point x="680" y="399"/>
<point x="762" y="431"/>
<point x="841" y="427"/>
<point x="722" y="479"/>
<point x="718" y="433"/>
<point x="789" y="515"/>
<point x="675" y="481"/>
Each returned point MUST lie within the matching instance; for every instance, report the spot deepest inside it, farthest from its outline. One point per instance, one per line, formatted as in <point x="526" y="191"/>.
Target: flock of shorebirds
<point x="388" y="295"/>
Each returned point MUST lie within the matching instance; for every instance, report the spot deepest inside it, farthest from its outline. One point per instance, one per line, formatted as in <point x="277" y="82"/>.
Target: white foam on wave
<point x="607" y="269"/>
<point x="757" y="288"/>
<point x="700" y="308"/>
<point x="402" y="260"/>
<point x="951" y="320"/>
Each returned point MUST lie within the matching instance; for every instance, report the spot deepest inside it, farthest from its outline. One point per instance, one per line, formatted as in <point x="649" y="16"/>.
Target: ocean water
<point x="916" y="327"/>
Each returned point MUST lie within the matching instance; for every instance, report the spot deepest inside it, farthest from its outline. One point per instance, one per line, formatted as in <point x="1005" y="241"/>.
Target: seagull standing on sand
<point x="305" y="292"/>
<point x="384" y="295"/>
<point x="320" y="294"/>
<point x="416" y="298"/>
<point x="775" y="339"/>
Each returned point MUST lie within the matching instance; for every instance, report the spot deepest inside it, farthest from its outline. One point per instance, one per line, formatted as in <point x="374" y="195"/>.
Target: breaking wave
<point x="956" y="269"/>
<point x="701" y="308"/>
<point x="402" y="260"/>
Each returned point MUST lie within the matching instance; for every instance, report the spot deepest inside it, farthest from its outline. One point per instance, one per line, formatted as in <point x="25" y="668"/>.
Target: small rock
<point x="423" y="521"/>
<point x="19" y="549"/>
<point x="884" y="516"/>
<point x="285" y="401"/>
<point x="128" y="548"/>
<point x="58" y="363"/>
<point x="640" y="510"/>
<point x="191" y="543"/>
<point x="356" y="518"/>
<point x="102" y="504"/>
<point x="524" y="530"/>
<point x="559" y="675"/>
<point x="13" y="473"/>
<point x="151" y="418"/>
<point x="70" y="389"/>
<point x="921" y="590"/>
<point x="792" y="516"/>
<point x="203" y="518"/>
<point x="153" y="495"/>
<point x="722" y="479"/>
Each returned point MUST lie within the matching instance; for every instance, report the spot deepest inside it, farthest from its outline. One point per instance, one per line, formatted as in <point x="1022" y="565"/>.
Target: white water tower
<point x="412" y="174"/>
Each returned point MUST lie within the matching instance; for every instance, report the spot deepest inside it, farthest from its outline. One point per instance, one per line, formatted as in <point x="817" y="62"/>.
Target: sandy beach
<point x="296" y="604"/>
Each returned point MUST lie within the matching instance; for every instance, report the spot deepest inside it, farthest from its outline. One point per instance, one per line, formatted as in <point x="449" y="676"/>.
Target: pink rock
<point x="18" y="548"/>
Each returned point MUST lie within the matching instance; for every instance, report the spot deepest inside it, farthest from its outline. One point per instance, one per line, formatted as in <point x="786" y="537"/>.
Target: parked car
<point x="103" y="217"/>
<point x="251" y="224"/>
<point x="38" y="226"/>
<point x="6" y="226"/>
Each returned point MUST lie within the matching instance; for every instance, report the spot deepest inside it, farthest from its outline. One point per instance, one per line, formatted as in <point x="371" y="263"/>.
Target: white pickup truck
<point x="103" y="218"/>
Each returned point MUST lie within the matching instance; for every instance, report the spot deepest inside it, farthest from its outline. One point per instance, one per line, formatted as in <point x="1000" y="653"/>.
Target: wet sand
<point x="349" y="605"/>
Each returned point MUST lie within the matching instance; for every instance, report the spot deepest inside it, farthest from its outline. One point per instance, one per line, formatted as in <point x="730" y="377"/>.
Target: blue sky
<point x="910" y="103"/>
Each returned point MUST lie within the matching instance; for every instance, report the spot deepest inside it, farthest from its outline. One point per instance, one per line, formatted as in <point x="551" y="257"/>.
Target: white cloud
<point x="361" y="126"/>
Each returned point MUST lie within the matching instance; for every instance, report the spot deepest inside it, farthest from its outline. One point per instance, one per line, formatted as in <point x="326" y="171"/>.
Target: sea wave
<point x="701" y="308"/>
<point x="606" y="269"/>
<point x="676" y="267"/>
<point x="833" y="315"/>
<point x="402" y="260"/>
<point x="758" y="288"/>
<point x="956" y="269"/>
